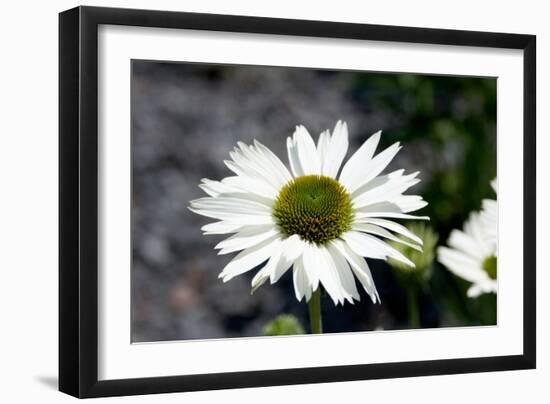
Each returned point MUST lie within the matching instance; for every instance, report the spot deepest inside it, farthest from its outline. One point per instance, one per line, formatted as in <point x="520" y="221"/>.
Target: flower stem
<point x="414" y="318"/>
<point x="315" y="320"/>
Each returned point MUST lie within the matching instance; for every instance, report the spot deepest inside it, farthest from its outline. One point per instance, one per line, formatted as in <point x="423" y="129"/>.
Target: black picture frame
<point x="78" y="201"/>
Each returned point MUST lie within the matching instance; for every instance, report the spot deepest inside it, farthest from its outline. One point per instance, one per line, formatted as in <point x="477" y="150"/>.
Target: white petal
<point x="307" y="152"/>
<point x="316" y="264"/>
<point x="475" y="290"/>
<point x="287" y="252"/>
<point x="409" y="203"/>
<point x="259" y="279"/>
<point x="323" y="144"/>
<point x="263" y="274"/>
<point x="228" y="204"/>
<point x="364" y="246"/>
<point x="301" y="282"/>
<point x="379" y="231"/>
<point x="250" y="258"/>
<point x="248" y="196"/>
<point x="263" y="162"/>
<point x="215" y="188"/>
<point x="293" y="158"/>
<point x="344" y="272"/>
<point x="253" y="165"/>
<point x="222" y="227"/>
<point x="250" y="175"/>
<point x="474" y="227"/>
<point x="489" y="219"/>
<point x="375" y="166"/>
<point x="489" y="286"/>
<point x="276" y="163"/>
<point x="392" y="188"/>
<point x="232" y="210"/>
<point x="461" y="265"/>
<point x="328" y="274"/>
<point x="337" y="150"/>
<point x="383" y="209"/>
<point x="241" y="219"/>
<point x="392" y="216"/>
<point x="311" y="270"/>
<point x="395" y="227"/>
<point x="372" y="247"/>
<point x="359" y="267"/>
<point x="468" y="245"/>
<point x="376" y="182"/>
<point x="246" y="238"/>
<point x="258" y="186"/>
<point x="359" y="159"/>
<point x="291" y="249"/>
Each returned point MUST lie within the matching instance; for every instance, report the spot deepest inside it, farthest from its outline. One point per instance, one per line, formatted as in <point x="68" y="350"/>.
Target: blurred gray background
<point x="187" y="117"/>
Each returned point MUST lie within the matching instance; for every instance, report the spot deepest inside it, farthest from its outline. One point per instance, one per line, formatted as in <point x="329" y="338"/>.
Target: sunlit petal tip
<point x="376" y="136"/>
<point x="259" y="145"/>
<point x="256" y="286"/>
<point x="194" y="210"/>
<point x="344" y="126"/>
<point x="422" y="218"/>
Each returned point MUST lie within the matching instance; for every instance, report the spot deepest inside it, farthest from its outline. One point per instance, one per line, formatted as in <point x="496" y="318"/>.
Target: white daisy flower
<point x="473" y="252"/>
<point x="312" y="218"/>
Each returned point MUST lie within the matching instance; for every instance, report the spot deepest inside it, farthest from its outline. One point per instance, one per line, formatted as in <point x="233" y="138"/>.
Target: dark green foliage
<point x="448" y="127"/>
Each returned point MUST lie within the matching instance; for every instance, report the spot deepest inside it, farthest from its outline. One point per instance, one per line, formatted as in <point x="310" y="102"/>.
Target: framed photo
<point x="253" y="201"/>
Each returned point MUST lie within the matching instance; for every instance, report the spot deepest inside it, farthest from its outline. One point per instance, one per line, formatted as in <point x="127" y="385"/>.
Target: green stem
<point x="414" y="318"/>
<point x="315" y="320"/>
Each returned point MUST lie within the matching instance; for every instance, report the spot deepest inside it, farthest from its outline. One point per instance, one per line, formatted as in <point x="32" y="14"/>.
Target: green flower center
<point x="490" y="266"/>
<point x="317" y="208"/>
